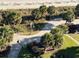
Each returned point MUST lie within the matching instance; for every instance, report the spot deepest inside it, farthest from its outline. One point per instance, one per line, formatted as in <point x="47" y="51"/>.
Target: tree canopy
<point x="47" y="39"/>
<point x="77" y="10"/>
<point x="69" y="16"/>
<point x="6" y="36"/>
<point x="43" y="9"/>
<point x="51" y="10"/>
<point x="54" y="38"/>
<point x="64" y="28"/>
<point x="36" y="13"/>
<point x="11" y="17"/>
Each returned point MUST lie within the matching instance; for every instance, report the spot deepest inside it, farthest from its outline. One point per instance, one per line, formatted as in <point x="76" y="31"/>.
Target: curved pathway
<point x="16" y="47"/>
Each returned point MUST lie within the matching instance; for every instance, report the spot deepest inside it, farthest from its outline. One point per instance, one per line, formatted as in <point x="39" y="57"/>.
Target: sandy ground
<point x="76" y="21"/>
<point x="23" y="4"/>
<point x="4" y="7"/>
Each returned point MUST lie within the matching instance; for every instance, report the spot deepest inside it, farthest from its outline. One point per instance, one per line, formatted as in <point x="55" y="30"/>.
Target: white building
<point x="23" y="4"/>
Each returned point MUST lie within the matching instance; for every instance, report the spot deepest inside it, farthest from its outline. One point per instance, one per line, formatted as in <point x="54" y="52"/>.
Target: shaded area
<point x="73" y="28"/>
<point x="27" y="18"/>
<point x="29" y="40"/>
<point x="31" y="50"/>
<point x="42" y="26"/>
<point x="27" y="52"/>
<point x="72" y="52"/>
<point x="16" y="48"/>
<point x="54" y="18"/>
<point x="5" y="52"/>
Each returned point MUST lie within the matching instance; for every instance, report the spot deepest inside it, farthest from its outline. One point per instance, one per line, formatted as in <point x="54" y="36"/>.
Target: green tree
<point x="43" y="10"/>
<point x="57" y="31"/>
<point x="64" y="28"/>
<point x="51" y="10"/>
<point x="6" y="35"/>
<point x="11" y="17"/>
<point x="58" y="39"/>
<point x="69" y="16"/>
<point x="77" y="10"/>
<point x="36" y="14"/>
<point x="47" y="40"/>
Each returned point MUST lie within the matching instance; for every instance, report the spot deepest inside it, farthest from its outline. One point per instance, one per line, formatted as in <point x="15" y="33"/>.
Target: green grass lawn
<point x="75" y="36"/>
<point x="67" y="42"/>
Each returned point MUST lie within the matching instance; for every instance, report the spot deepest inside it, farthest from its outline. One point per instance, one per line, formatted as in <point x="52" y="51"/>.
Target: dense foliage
<point x="43" y="10"/>
<point x="36" y="14"/>
<point x="11" y="18"/>
<point x="77" y="10"/>
<point x="6" y="36"/>
<point x="69" y="16"/>
<point x="51" y="10"/>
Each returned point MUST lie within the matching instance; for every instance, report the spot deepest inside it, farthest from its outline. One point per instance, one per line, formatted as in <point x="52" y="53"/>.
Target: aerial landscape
<point x="39" y="28"/>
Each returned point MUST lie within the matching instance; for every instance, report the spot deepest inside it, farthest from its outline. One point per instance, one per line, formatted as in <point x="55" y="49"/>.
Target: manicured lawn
<point x="67" y="42"/>
<point x="75" y="36"/>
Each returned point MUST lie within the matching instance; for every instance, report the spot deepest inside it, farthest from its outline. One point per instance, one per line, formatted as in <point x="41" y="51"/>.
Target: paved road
<point x="16" y="47"/>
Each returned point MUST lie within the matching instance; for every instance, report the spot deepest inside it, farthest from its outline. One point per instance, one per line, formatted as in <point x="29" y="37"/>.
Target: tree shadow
<point x="16" y="48"/>
<point x="73" y="28"/>
<point x="27" y="18"/>
<point x="3" y="54"/>
<point x="29" y="40"/>
<point x="27" y="50"/>
<point x="54" y="18"/>
<point x="43" y="26"/>
<point x="72" y="52"/>
<point x="48" y="26"/>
